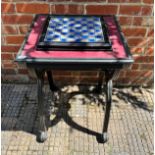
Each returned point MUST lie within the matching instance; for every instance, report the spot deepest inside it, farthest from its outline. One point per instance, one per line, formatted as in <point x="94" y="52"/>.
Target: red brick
<point x="137" y="50"/>
<point x="23" y="29"/>
<point x="148" y="21"/>
<point x="67" y="9"/>
<point x="142" y="80"/>
<point x="5" y="56"/>
<point x="142" y="59"/>
<point x="135" y="66"/>
<point x="139" y="59"/>
<point x="134" y="31"/>
<point x="2" y="39"/>
<point x="17" y="19"/>
<point x="88" y="79"/>
<point x="101" y="9"/>
<point x="125" y="20"/>
<point x="148" y="73"/>
<point x="75" y="73"/>
<point x="88" y="1"/>
<point x="150" y="32"/>
<point x="8" y="71"/>
<point x="130" y="10"/>
<point x="11" y="49"/>
<point x="149" y="51"/>
<point x="151" y="59"/>
<point x="135" y="41"/>
<point x="59" y="0"/>
<point x="22" y="71"/>
<point x="15" y="54"/>
<point x="88" y="73"/>
<point x="133" y="73"/>
<point x="146" y="66"/>
<point x="137" y="21"/>
<point x="9" y="30"/>
<point x="148" y="1"/>
<point x="60" y="73"/>
<point x="14" y="39"/>
<point x="123" y="80"/>
<point x="7" y="8"/>
<point x="16" y="0"/>
<point x="9" y="65"/>
<point x="123" y="1"/>
<point x="121" y="73"/>
<point x="143" y="42"/>
<point x="150" y="41"/>
<point x="150" y="83"/>
<point x="32" y="8"/>
<point x="147" y="10"/>
<point x="59" y="9"/>
<point x="136" y="74"/>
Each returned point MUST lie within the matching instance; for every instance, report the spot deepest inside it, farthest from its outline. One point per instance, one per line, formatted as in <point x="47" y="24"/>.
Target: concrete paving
<point x="76" y="121"/>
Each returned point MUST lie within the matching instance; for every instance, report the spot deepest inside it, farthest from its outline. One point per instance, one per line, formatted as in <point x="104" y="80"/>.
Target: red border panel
<point x="118" y="51"/>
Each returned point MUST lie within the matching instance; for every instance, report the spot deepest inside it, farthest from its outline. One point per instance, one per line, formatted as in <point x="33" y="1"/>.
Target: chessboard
<point x="70" y="29"/>
<point x="74" y="32"/>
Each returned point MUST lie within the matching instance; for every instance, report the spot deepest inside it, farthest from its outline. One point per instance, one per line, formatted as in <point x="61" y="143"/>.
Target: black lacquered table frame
<point x="109" y="67"/>
<point x="109" y="71"/>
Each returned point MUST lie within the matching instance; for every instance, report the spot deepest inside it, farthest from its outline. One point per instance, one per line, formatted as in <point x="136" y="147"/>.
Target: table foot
<point x="42" y="136"/>
<point x="109" y="76"/>
<point x="42" y="124"/>
<point x="105" y="137"/>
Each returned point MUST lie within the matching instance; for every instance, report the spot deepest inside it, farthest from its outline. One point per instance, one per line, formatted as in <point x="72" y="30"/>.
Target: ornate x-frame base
<point x="43" y="122"/>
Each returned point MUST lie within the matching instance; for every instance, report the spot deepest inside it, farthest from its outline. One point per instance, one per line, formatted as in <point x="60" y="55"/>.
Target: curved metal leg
<point x="107" y="110"/>
<point x="100" y="82"/>
<point x="53" y="87"/>
<point x="55" y="91"/>
<point x="42" y="126"/>
<point x="109" y="76"/>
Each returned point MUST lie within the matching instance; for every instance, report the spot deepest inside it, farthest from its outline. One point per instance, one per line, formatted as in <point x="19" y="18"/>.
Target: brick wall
<point x="135" y="17"/>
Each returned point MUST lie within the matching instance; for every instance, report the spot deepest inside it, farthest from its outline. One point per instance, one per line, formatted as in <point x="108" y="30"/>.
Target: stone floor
<point x="76" y="121"/>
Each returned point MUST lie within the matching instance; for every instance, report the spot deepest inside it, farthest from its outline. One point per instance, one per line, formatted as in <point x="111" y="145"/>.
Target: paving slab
<point x="76" y="121"/>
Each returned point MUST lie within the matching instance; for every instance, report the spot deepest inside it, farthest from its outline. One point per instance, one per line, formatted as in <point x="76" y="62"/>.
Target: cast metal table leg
<point x="42" y="126"/>
<point x="53" y="87"/>
<point x="100" y="82"/>
<point x="108" y="78"/>
<point x="55" y="92"/>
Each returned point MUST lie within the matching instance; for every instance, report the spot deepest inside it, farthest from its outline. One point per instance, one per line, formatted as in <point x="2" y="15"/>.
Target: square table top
<point x="30" y="54"/>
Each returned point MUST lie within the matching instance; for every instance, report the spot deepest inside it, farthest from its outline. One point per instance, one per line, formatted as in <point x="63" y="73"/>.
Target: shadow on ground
<point x="19" y="106"/>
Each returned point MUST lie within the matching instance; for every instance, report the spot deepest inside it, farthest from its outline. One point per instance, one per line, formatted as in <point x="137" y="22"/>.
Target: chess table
<point x="74" y="42"/>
